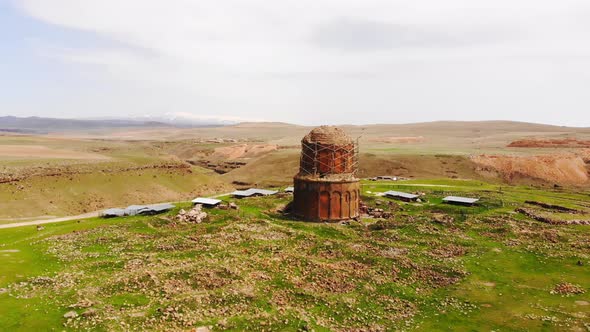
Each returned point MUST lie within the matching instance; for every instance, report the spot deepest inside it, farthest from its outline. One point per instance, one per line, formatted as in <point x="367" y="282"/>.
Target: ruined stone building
<point x="326" y="187"/>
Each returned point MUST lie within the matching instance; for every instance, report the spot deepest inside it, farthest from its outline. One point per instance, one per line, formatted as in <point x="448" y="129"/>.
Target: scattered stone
<point x="84" y="303"/>
<point x="194" y="216"/>
<point x="565" y="288"/>
<point x="203" y="329"/>
<point x="548" y="220"/>
<point x="71" y="314"/>
<point x="233" y="206"/>
<point x="89" y="313"/>
<point x="40" y="228"/>
<point x="442" y="218"/>
<point x="3" y="290"/>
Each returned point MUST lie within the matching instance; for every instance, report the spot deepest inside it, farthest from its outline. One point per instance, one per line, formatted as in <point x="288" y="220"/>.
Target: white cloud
<point x="311" y="61"/>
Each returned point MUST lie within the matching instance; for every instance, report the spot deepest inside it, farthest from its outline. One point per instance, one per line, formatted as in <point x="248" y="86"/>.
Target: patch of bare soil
<point x="398" y="139"/>
<point x="563" y="169"/>
<point x="243" y="151"/>
<point x="550" y="143"/>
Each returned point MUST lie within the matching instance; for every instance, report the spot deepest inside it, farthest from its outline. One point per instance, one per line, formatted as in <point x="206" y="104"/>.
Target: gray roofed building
<point x="386" y="177"/>
<point x="289" y="189"/>
<point x="156" y="209"/>
<point x="112" y="213"/>
<point x="401" y="195"/>
<point x="210" y="202"/>
<point x="253" y="192"/>
<point x="134" y="210"/>
<point x="460" y="200"/>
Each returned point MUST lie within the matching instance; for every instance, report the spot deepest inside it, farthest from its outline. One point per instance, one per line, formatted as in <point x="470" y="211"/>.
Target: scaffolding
<point x="319" y="159"/>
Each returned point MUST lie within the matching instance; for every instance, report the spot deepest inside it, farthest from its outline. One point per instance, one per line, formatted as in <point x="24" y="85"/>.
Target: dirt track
<point x="70" y="218"/>
<point x="50" y="221"/>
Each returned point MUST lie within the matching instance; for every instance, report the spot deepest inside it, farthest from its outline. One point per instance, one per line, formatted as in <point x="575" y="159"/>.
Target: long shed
<point x="208" y="202"/>
<point x="253" y="192"/>
<point x="406" y="197"/>
<point x="457" y="200"/>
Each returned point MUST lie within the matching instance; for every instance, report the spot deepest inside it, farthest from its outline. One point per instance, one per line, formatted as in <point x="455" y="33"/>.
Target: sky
<point x="299" y="61"/>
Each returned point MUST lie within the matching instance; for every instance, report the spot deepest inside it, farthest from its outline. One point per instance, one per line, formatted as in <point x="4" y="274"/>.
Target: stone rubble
<point x="195" y="216"/>
<point x="71" y="314"/>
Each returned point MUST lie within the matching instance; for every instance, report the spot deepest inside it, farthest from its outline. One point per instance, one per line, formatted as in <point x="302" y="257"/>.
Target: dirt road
<point x="70" y="218"/>
<point x="50" y="221"/>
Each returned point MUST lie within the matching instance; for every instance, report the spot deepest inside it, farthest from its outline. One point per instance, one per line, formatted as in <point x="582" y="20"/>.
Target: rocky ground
<point x="405" y="266"/>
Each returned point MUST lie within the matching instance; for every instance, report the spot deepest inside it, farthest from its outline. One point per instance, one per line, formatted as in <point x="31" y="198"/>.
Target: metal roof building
<point x="401" y="195"/>
<point x="253" y="192"/>
<point x="386" y="177"/>
<point x="112" y="213"/>
<point x="206" y="201"/>
<point x="134" y="210"/>
<point x="460" y="200"/>
<point x="289" y="189"/>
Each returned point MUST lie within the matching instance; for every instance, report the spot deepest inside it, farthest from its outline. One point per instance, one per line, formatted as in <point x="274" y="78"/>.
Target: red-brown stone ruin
<point x="326" y="188"/>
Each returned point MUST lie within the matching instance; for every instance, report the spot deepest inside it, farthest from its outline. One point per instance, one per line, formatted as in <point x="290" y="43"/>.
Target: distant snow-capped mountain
<point x="181" y="119"/>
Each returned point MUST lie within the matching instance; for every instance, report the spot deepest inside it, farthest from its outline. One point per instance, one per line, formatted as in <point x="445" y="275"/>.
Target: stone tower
<point x="326" y="188"/>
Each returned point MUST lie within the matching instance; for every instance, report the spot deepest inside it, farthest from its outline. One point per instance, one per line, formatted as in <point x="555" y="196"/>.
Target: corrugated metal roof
<point x="206" y="201"/>
<point x="387" y="177"/>
<point x="113" y="213"/>
<point x="401" y="194"/>
<point x="160" y="207"/>
<point x="242" y="193"/>
<point x="265" y="192"/>
<point x="289" y="189"/>
<point x="253" y="191"/>
<point x="133" y="210"/>
<point x="457" y="199"/>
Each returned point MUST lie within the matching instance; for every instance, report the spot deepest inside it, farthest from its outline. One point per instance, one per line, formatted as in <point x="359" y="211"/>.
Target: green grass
<point x="253" y="269"/>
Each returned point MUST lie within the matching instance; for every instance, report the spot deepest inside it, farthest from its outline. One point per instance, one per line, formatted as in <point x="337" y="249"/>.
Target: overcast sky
<point x="299" y="61"/>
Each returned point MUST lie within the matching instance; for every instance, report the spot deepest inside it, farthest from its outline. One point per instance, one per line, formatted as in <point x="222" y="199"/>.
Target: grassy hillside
<point x="80" y="193"/>
<point x="120" y="174"/>
<point x="71" y="173"/>
<point x="431" y="267"/>
<point x="278" y="168"/>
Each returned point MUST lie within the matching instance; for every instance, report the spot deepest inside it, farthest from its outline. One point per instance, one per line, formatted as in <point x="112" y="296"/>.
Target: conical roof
<point x="328" y="135"/>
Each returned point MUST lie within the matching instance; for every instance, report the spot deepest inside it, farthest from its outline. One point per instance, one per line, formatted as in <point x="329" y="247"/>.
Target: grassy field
<point x="70" y="173"/>
<point x="47" y="184"/>
<point x="430" y="267"/>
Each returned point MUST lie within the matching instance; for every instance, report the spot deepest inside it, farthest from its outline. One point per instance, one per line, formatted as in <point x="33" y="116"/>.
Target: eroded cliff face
<point x="562" y="169"/>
